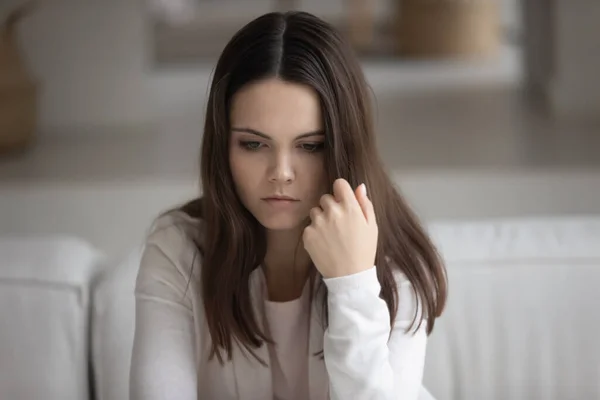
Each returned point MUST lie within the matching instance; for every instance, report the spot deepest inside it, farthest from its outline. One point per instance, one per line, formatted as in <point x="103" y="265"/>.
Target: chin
<point x="281" y="222"/>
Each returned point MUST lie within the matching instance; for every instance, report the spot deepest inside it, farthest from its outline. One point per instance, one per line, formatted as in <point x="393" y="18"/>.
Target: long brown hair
<point x="299" y="47"/>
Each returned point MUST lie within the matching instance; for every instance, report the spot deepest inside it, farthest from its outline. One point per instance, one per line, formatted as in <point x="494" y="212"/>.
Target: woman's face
<point x="276" y="152"/>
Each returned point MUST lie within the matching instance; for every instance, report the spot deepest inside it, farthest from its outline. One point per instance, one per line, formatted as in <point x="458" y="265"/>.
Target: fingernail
<point x="364" y="189"/>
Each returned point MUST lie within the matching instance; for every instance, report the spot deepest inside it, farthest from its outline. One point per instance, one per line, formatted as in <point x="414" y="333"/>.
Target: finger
<point x="343" y="192"/>
<point x="365" y="203"/>
<point x="327" y="201"/>
<point x="307" y="234"/>
<point x="315" y="213"/>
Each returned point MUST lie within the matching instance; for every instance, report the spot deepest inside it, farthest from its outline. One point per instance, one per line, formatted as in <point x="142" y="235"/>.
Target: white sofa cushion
<point x="44" y="308"/>
<point x="113" y="324"/>
<point x="522" y="320"/>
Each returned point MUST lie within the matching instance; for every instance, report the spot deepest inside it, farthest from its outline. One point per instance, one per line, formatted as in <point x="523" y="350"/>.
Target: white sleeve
<point x="162" y="365"/>
<point x="363" y="361"/>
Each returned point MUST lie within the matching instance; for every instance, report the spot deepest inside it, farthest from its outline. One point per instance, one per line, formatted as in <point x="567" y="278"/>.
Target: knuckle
<point x="314" y="212"/>
<point x="336" y="212"/>
<point x="326" y="199"/>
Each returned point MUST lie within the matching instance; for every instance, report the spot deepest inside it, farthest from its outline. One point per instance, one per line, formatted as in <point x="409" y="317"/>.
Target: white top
<point x="362" y="358"/>
<point x="287" y="324"/>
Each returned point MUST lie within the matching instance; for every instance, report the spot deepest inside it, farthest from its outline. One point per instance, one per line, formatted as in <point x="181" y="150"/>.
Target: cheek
<point x="315" y="174"/>
<point x="239" y="171"/>
<point x="246" y="171"/>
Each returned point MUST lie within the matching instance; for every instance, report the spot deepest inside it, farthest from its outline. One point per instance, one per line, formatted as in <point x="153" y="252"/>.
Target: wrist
<point x="366" y="278"/>
<point x="344" y="271"/>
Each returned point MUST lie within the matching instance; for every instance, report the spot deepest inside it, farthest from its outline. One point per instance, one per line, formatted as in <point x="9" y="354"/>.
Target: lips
<point x="280" y="198"/>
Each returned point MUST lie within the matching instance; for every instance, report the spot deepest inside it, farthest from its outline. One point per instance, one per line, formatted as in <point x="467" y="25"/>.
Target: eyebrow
<point x="265" y="136"/>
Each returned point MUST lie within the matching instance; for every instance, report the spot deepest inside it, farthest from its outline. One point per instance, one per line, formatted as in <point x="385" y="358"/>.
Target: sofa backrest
<point x="522" y="320"/>
<point x="44" y="314"/>
<point x="113" y="326"/>
<point x="520" y="323"/>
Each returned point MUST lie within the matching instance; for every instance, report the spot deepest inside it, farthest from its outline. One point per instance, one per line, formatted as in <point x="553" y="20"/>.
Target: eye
<point x="250" y="145"/>
<point x="312" y="147"/>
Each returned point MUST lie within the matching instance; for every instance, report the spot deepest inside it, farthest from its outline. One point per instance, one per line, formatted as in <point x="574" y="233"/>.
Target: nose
<point x="282" y="169"/>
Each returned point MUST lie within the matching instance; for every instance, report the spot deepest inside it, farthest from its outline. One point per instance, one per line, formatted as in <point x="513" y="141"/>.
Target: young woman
<point x="301" y="273"/>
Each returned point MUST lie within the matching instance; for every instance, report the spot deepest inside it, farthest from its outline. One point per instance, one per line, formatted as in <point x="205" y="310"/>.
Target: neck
<point x="286" y="265"/>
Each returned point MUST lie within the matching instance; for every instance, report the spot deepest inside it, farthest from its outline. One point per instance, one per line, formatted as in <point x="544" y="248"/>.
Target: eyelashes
<point x="313" y="147"/>
<point x="250" y="145"/>
<point x="309" y="147"/>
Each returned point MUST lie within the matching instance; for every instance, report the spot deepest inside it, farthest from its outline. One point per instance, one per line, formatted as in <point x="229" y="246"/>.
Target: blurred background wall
<point x="96" y="62"/>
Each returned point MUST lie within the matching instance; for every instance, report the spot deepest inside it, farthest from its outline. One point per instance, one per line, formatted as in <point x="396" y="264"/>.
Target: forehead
<point x="277" y="108"/>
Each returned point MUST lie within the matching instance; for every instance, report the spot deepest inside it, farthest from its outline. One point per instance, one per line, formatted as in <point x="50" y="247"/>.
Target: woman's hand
<point x="342" y="237"/>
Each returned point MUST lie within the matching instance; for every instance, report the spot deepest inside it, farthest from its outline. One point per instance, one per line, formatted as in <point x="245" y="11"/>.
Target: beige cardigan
<point x="171" y="343"/>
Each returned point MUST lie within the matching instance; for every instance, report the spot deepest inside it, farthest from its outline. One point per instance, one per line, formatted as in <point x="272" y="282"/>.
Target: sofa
<point x="521" y="322"/>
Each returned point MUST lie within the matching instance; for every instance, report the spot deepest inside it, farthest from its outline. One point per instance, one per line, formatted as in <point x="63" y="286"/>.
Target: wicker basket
<point x="447" y="28"/>
<point x="18" y="89"/>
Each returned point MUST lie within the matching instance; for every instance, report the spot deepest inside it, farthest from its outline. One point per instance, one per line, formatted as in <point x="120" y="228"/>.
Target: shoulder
<point x="175" y="229"/>
<point x="171" y="246"/>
